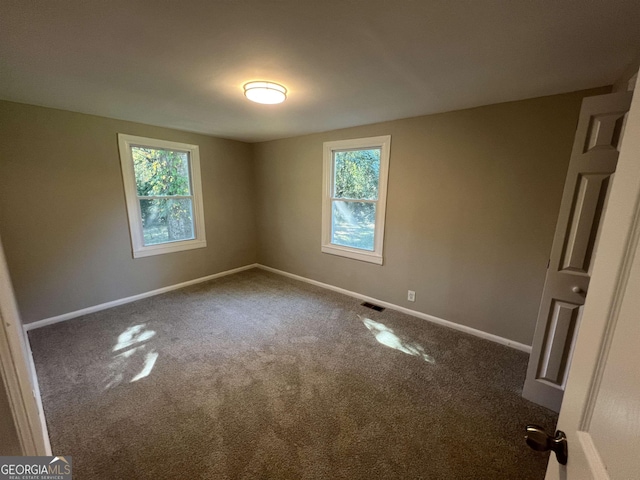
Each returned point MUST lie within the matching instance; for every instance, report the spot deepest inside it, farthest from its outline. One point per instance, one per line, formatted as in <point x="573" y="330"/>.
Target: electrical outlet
<point x="411" y="296"/>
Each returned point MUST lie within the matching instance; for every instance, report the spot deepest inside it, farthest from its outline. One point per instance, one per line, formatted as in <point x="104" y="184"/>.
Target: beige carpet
<point x="256" y="376"/>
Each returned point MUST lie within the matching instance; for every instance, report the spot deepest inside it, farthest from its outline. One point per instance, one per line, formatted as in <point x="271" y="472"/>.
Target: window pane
<point x="161" y="172"/>
<point x="166" y="220"/>
<point x="356" y="174"/>
<point x="353" y="224"/>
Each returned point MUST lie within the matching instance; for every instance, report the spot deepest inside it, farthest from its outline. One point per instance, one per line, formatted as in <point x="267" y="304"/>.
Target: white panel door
<point x="593" y="162"/>
<point x="15" y="371"/>
<point x="600" y="413"/>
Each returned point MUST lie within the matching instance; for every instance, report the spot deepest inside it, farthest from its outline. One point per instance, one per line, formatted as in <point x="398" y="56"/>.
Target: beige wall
<point x="472" y="204"/>
<point x="473" y="200"/>
<point x="63" y="219"/>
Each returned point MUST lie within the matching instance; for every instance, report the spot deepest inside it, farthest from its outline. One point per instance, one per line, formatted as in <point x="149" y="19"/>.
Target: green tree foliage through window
<point x="356" y="177"/>
<point x="357" y="173"/>
<point x="164" y="191"/>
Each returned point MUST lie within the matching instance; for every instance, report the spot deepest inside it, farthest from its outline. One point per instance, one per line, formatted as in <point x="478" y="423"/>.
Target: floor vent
<point x="377" y="308"/>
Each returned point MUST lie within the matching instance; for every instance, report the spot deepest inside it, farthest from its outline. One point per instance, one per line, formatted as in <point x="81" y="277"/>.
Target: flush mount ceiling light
<point x="265" y="92"/>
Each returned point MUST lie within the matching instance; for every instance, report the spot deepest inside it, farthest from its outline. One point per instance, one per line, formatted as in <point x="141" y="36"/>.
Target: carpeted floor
<point x="256" y="376"/>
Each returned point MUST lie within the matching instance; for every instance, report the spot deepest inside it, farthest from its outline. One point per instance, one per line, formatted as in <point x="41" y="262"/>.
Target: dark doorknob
<point x="541" y="441"/>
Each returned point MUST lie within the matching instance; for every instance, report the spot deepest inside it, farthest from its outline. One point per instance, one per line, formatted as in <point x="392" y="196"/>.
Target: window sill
<point x="362" y="255"/>
<point x="168" y="248"/>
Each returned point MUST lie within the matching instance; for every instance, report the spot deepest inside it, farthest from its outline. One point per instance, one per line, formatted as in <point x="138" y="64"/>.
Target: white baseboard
<point x="408" y="311"/>
<point x="122" y="301"/>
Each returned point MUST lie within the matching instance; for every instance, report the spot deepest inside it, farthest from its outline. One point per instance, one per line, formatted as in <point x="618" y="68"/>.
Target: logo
<point x="35" y="468"/>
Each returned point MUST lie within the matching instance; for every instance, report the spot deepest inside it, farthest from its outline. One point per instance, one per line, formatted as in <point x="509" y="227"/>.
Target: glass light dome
<point x="265" y="92"/>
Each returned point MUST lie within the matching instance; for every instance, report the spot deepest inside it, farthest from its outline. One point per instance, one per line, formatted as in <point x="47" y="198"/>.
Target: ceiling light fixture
<point x="265" y="92"/>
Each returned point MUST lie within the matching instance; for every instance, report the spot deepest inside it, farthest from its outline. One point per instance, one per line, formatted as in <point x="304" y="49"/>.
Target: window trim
<point x="138" y="248"/>
<point x="384" y="143"/>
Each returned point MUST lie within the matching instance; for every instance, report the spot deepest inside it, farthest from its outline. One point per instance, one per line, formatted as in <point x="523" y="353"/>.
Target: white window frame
<point x="139" y="249"/>
<point x="384" y="144"/>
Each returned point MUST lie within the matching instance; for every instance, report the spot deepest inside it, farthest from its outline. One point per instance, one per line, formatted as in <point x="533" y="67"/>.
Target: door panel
<point x="605" y="131"/>
<point x="558" y="340"/>
<point x="600" y="412"/>
<point x="593" y="162"/>
<point x="591" y="192"/>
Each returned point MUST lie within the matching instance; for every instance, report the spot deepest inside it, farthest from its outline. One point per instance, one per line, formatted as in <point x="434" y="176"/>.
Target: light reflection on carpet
<point x="132" y="346"/>
<point x="388" y="338"/>
<point x="133" y="335"/>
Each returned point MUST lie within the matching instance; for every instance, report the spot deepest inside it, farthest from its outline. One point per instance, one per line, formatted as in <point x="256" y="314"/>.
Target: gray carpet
<point x="256" y="376"/>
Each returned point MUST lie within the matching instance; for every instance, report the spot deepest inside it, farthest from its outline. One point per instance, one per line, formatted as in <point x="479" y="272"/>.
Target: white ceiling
<point x="182" y="64"/>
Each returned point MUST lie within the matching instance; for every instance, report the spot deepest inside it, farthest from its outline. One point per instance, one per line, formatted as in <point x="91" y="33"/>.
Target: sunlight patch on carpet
<point x="133" y="335"/>
<point x="388" y="338"/>
<point x="133" y="350"/>
<point x="149" y="362"/>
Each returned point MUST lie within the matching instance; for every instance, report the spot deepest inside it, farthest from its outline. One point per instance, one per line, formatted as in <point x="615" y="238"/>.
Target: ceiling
<point x="182" y="64"/>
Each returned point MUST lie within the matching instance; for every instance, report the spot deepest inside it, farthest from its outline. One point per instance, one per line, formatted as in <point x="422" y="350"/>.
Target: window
<point x="354" y="198"/>
<point x="163" y="193"/>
